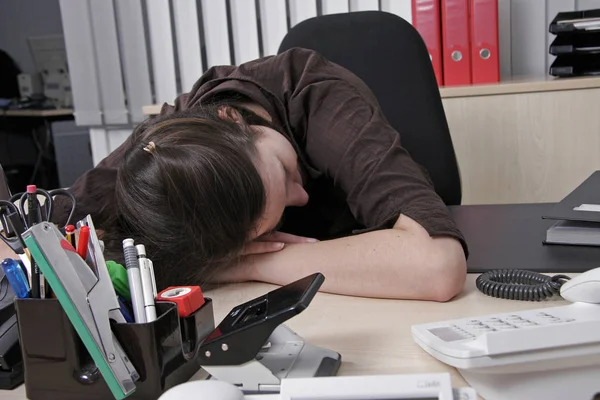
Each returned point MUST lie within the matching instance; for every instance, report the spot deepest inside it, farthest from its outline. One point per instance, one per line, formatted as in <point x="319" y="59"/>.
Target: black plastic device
<point x="11" y="361"/>
<point x="247" y="327"/>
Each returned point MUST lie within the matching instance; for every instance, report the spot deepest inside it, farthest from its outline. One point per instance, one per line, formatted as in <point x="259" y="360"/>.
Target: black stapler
<point x="252" y="349"/>
<point x="11" y="362"/>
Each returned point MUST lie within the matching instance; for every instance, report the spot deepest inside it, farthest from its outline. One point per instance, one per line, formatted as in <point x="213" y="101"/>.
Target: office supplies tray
<point x="576" y="44"/>
<point x="58" y="366"/>
<point x="102" y="350"/>
<point x="569" y="65"/>
<point x="575" y="22"/>
<point x="11" y="365"/>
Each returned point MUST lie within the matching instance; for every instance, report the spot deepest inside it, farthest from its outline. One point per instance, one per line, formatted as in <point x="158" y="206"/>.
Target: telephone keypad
<point x="472" y="328"/>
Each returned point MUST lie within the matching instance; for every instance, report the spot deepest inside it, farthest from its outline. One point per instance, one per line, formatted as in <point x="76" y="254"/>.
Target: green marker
<point x="118" y="276"/>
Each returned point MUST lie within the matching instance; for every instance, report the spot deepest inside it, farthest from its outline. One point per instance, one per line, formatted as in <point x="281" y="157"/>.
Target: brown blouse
<point x="358" y="175"/>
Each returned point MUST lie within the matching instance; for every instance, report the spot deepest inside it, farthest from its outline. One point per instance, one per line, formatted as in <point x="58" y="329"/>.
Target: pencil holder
<point x="11" y="365"/>
<point x="58" y="366"/>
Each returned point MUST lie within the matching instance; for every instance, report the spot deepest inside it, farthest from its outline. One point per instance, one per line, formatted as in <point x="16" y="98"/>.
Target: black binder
<point x="512" y="236"/>
<point x="570" y="208"/>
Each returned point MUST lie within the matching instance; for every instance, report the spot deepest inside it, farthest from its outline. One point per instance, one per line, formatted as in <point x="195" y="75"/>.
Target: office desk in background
<point x="372" y="335"/>
<point x="56" y="139"/>
<point x="36" y="125"/>
<point x="33" y="113"/>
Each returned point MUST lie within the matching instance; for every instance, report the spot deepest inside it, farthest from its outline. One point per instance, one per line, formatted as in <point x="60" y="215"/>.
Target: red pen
<point x="84" y="237"/>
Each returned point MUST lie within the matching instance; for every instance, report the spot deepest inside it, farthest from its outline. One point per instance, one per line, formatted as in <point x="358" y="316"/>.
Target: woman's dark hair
<point x="192" y="197"/>
<point x="9" y="72"/>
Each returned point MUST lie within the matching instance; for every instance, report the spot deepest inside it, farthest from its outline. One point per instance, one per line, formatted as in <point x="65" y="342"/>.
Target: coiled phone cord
<point x="516" y="284"/>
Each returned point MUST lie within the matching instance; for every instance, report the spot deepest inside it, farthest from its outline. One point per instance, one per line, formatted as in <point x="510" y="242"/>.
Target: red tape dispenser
<point x="187" y="298"/>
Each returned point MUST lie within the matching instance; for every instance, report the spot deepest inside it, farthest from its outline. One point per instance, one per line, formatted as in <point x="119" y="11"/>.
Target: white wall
<point x="20" y="19"/>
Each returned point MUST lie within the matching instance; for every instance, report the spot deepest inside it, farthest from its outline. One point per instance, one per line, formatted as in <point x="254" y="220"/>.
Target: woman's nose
<point x="297" y="196"/>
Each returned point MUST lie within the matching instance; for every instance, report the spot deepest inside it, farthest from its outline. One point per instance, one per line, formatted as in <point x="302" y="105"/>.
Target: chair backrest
<point x="389" y="55"/>
<point x="4" y="195"/>
<point x="4" y="189"/>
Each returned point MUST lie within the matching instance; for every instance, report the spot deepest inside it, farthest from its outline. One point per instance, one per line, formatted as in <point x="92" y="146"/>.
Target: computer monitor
<point x="50" y="57"/>
<point x="49" y="53"/>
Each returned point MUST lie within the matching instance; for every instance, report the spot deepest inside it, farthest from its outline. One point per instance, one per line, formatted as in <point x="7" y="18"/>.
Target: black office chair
<point x="389" y="55"/>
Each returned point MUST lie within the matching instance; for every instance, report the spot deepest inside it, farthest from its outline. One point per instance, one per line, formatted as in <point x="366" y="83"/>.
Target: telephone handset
<point x="542" y="353"/>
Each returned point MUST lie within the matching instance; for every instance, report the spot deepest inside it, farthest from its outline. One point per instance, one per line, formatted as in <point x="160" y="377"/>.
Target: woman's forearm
<point x="393" y="263"/>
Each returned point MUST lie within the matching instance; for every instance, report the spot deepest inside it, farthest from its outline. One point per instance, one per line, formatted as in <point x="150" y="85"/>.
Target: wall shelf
<point x="521" y="85"/>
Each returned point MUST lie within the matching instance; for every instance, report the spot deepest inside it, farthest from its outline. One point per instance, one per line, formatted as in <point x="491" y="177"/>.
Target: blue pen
<point x="125" y="309"/>
<point x="16" y="278"/>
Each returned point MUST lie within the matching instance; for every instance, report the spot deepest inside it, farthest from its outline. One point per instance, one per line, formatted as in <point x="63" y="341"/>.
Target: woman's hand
<point x="244" y="269"/>
<point x="273" y="241"/>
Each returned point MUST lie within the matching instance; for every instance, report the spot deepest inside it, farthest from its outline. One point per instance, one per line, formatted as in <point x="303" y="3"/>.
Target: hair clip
<point x="150" y="147"/>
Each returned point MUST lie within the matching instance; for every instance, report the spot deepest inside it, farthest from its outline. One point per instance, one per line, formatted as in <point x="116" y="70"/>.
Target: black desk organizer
<point x="577" y="50"/>
<point x="58" y="366"/>
<point x="11" y="365"/>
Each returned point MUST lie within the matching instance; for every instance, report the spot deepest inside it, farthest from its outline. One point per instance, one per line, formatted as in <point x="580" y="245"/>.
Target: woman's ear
<point x="227" y="113"/>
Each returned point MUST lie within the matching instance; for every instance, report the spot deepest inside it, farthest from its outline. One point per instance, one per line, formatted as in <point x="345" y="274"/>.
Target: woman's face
<point x="278" y="166"/>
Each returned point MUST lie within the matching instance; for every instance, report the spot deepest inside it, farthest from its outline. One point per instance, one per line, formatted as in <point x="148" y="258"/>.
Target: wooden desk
<point x="37" y="113"/>
<point x="372" y="335"/>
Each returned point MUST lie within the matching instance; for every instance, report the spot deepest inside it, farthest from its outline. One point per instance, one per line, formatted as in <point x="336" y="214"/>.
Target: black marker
<point x="33" y="217"/>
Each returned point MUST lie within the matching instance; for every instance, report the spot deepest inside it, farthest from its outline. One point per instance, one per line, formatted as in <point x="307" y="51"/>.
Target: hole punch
<point x="261" y="350"/>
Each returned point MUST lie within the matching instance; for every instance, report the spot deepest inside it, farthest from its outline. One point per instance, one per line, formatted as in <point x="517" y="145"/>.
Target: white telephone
<point x="374" y="387"/>
<point x="551" y="353"/>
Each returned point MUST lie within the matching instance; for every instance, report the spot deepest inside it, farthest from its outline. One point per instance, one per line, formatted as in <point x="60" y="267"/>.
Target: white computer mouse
<point x="584" y="288"/>
<point x="203" y="390"/>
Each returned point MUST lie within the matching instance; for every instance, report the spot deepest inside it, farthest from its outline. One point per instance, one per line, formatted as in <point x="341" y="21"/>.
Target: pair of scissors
<point x="16" y="216"/>
<point x="48" y="207"/>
